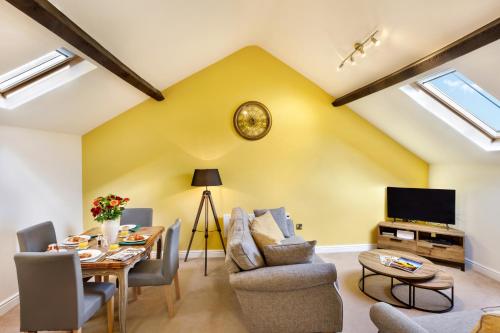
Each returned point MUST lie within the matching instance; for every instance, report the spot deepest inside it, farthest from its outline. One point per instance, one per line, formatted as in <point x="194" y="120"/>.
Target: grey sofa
<point x="390" y="320"/>
<point x="293" y="298"/>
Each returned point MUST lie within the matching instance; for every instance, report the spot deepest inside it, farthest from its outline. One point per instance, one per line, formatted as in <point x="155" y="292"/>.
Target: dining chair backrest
<point x="171" y="251"/>
<point x="37" y="237"/>
<point x="50" y="291"/>
<point x="140" y="216"/>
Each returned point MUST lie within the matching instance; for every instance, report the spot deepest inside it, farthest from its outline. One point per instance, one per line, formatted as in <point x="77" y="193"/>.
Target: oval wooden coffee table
<point x="440" y="282"/>
<point x="370" y="260"/>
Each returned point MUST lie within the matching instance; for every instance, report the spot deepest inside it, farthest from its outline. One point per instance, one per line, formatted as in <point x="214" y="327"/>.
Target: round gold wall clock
<point x="252" y="120"/>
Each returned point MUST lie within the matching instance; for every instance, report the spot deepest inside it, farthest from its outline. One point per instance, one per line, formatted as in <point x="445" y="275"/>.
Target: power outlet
<point x="298" y="226"/>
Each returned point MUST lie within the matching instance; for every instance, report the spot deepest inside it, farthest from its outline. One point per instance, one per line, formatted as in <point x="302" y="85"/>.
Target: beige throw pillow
<point x="489" y="323"/>
<point x="265" y="231"/>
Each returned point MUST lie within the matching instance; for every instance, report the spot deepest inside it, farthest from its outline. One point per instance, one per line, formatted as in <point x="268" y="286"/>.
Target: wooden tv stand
<point x="432" y="242"/>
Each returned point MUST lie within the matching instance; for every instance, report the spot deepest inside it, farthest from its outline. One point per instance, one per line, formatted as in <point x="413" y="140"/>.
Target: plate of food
<point x="86" y="255"/>
<point x="135" y="238"/>
<point x="75" y="240"/>
<point x="127" y="227"/>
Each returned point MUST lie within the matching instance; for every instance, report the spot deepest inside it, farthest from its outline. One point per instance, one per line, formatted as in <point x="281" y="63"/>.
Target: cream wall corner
<point x="40" y="180"/>
<point x="478" y="210"/>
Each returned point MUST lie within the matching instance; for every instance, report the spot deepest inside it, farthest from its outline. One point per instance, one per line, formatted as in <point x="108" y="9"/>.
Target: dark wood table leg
<point x="123" y="293"/>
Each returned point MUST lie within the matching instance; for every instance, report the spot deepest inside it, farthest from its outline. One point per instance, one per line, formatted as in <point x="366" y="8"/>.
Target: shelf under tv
<point x="430" y="241"/>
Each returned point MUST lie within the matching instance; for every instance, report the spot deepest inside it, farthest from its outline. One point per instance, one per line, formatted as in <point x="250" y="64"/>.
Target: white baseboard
<point x="344" y="248"/>
<point x="489" y="272"/>
<point x="9" y="303"/>
<point x="201" y="254"/>
<point x="319" y="249"/>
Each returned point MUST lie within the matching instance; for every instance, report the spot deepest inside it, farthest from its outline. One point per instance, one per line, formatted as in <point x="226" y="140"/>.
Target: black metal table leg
<point x="361" y="286"/>
<point x="363" y="279"/>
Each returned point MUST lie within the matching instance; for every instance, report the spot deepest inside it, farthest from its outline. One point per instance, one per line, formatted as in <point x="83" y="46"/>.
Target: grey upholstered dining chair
<point x="36" y="238"/>
<point x="161" y="272"/>
<point x="53" y="296"/>
<point x="140" y="216"/>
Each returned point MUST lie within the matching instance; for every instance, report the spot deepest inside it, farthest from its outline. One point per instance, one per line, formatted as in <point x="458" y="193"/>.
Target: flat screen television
<point x="430" y="205"/>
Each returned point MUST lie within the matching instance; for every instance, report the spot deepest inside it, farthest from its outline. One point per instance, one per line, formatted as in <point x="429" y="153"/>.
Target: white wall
<point x="40" y="180"/>
<point x="478" y="210"/>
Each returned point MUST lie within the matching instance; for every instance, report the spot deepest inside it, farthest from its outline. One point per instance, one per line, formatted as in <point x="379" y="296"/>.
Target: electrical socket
<point x="298" y="226"/>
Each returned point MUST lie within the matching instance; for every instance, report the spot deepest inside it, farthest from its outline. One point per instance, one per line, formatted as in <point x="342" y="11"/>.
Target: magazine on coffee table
<point x="405" y="264"/>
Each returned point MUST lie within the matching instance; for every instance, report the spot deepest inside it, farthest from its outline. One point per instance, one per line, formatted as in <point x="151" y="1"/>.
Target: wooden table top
<point x="154" y="231"/>
<point x="371" y="260"/>
<point x="441" y="280"/>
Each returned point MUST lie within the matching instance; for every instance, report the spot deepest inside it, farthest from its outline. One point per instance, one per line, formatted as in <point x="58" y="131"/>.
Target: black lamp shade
<point x="206" y="177"/>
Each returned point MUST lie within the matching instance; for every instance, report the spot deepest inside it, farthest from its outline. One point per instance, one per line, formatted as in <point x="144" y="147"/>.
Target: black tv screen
<point x="431" y="205"/>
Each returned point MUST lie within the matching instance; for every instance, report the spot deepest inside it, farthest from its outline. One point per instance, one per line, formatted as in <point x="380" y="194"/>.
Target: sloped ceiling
<point x="420" y="131"/>
<point x="166" y="41"/>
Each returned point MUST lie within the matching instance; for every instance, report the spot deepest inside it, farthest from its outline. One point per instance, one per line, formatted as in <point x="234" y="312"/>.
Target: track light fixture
<point x="359" y="48"/>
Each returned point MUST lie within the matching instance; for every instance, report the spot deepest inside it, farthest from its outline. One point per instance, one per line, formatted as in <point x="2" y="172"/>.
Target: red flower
<point x="95" y="211"/>
<point x="126" y="200"/>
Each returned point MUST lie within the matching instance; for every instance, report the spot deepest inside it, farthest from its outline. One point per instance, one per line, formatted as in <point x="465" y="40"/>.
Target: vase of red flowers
<point x="107" y="210"/>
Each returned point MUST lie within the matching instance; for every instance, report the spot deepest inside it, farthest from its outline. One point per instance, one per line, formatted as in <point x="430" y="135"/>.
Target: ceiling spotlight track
<point x="359" y="49"/>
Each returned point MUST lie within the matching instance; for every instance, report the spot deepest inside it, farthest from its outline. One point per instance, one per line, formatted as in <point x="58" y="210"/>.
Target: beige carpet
<point x="209" y="305"/>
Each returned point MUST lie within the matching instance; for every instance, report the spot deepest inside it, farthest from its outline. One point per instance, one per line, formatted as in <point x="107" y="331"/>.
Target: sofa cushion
<point x="240" y="244"/>
<point x="279" y="215"/>
<point x="293" y="240"/>
<point x="290" y="227"/>
<point x="265" y="231"/>
<point x="289" y="254"/>
<point x="390" y="320"/>
<point x="285" y="278"/>
<point x="230" y="265"/>
<point x="453" y="322"/>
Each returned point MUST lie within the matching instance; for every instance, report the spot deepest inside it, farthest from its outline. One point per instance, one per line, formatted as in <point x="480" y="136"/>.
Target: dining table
<point x="104" y="267"/>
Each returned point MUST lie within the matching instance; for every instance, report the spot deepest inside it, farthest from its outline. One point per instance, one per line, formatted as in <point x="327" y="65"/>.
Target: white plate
<point x="68" y="242"/>
<point x="94" y="254"/>
<point x="135" y="241"/>
<point x="58" y="251"/>
<point x="128" y="226"/>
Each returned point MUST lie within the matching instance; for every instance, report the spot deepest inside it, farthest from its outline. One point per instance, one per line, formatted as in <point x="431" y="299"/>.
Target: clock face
<point x="252" y="120"/>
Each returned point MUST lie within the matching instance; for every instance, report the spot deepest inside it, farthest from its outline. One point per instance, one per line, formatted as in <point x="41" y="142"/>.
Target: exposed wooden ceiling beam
<point x="477" y="39"/>
<point x="53" y="19"/>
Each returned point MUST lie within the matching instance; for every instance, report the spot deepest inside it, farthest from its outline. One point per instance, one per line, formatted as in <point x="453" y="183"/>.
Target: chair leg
<point x="170" y="300"/>
<point x="177" y="287"/>
<point x="98" y="278"/>
<point x="139" y="291"/>
<point x="106" y="278"/>
<point x="110" y="309"/>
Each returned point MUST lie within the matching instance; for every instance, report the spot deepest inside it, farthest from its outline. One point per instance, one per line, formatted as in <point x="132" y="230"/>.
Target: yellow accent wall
<point x="327" y="166"/>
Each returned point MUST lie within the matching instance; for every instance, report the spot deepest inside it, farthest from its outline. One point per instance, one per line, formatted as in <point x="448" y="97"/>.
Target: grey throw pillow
<point x="289" y="254"/>
<point x="240" y="244"/>
<point x="279" y="215"/>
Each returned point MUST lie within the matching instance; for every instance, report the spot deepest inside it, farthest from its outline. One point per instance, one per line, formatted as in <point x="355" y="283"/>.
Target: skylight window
<point x="34" y="70"/>
<point x="467" y="99"/>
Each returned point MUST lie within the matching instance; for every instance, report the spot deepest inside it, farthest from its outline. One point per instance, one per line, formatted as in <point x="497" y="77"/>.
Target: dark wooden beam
<point x="53" y="19"/>
<point x="477" y="39"/>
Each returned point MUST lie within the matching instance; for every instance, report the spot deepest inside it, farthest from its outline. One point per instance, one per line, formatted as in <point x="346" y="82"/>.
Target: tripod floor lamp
<point x="206" y="177"/>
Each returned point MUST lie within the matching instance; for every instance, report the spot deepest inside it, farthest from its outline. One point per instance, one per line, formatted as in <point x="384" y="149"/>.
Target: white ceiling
<point x="166" y="41"/>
